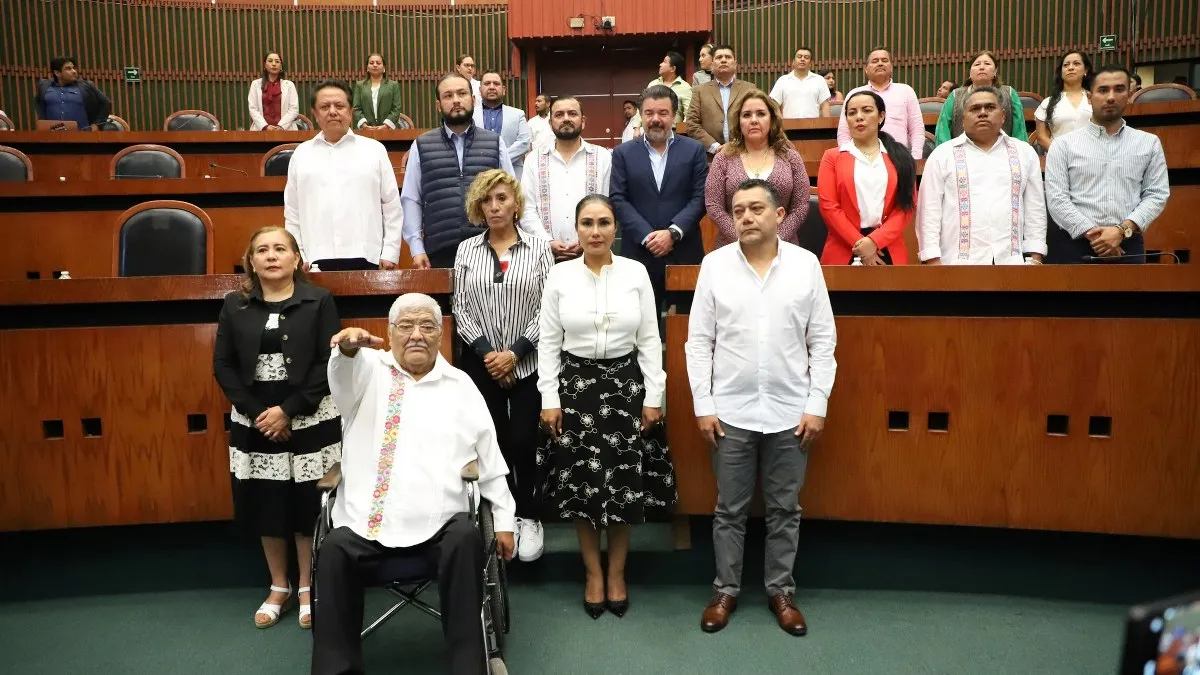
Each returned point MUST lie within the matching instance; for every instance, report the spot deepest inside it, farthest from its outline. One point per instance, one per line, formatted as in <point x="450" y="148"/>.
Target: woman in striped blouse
<point x="498" y="280"/>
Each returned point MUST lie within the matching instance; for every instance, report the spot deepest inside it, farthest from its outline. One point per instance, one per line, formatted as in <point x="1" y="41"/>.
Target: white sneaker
<point x="532" y="541"/>
<point x="517" y="524"/>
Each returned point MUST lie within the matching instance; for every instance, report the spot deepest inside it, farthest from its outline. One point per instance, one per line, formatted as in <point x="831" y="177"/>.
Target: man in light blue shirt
<point x="436" y="181"/>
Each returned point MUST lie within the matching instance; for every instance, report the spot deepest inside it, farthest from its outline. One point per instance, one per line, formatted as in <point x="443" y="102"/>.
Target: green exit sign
<point x="133" y="75"/>
<point x="1108" y="43"/>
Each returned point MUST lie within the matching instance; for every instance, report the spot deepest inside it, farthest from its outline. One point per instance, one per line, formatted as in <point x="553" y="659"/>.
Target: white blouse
<point x="870" y="186"/>
<point x="602" y="316"/>
<point x="1066" y="116"/>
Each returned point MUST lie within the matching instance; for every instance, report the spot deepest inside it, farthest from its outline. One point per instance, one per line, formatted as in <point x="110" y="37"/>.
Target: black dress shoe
<point x="618" y="607"/>
<point x="594" y="609"/>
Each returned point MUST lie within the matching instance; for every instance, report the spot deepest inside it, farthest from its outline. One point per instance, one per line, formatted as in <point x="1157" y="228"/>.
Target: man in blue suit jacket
<point x="509" y="122"/>
<point x="657" y="191"/>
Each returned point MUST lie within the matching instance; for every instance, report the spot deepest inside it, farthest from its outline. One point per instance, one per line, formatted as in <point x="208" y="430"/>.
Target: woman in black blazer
<point x="271" y="352"/>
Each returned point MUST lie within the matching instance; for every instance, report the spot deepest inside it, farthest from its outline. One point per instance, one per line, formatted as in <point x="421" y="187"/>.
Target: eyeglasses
<point x="426" y="327"/>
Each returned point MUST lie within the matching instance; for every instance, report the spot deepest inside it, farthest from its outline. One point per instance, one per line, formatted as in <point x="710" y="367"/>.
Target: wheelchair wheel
<point x="496" y="667"/>
<point x="494" y="577"/>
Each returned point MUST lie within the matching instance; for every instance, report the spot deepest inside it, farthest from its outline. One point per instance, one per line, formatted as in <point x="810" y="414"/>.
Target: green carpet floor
<point x="897" y="633"/>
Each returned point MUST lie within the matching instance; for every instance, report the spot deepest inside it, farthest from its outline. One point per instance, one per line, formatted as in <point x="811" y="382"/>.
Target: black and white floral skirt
<point x="602" y="468"/>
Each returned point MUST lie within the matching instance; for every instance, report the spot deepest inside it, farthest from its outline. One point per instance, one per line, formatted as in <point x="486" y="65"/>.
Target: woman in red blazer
<point x="865" y="216"/>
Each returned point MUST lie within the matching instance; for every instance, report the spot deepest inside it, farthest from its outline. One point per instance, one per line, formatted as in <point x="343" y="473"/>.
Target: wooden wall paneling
<point x="78" y="241"/>
<point x="996" y="465"/>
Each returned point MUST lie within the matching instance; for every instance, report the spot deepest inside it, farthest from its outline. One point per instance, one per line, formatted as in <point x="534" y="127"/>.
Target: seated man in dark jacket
<point x="67" y="97"/>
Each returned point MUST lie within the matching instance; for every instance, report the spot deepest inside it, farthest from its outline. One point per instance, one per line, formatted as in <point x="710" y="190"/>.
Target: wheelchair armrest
<point x="470" y="472"/>
<point x="331" y="479"/>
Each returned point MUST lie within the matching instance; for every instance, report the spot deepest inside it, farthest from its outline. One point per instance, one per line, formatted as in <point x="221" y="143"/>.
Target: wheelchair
<point x="408" y="578"/>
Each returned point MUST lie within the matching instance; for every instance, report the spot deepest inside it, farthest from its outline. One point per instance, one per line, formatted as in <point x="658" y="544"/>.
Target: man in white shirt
<point x="633" y="121"/>
<point x="539" y="125"/>
<point x="802" y="93"/>
<point x="341" y="201"/>
<point x="561" y="174"/>
<point x="465" y="65"/>
<point x="981" y="200"/>
<point x="411" y="423"/>
<point x="760" y="361"/>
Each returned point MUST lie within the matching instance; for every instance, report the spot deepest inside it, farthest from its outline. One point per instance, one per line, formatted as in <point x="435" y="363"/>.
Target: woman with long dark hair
<point x="376" y="98"/>
<point x="1068" y="108"/>
<point x="274" y="104"/>
<point x="270" y="355"/>
<point x="602" y="384"/>
<point x="866" y="189"/>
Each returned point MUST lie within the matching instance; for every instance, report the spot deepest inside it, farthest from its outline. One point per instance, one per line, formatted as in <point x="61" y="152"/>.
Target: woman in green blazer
<point x="376" y="98"/>
<point x="983" y="72"/>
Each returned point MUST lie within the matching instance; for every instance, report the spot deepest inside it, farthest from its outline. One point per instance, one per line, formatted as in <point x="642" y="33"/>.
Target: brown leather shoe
<point x="789" y="616"/>
<point x="716" y="615"/>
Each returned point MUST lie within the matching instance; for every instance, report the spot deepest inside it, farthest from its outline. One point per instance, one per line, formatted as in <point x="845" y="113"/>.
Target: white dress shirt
<point x="341" y="200"/>
<point x="567" y="184"/>
<point x="870" y="184"/>
<point x="443" y="424"/>
<point x="413" y="196"/>
<point x="760" y="349"/>
<point x="633" y="127"/>
<point x="990" y="179"/>
<point x="800" y="98"/>
<point x="1067" y="118"/>
<point x="540" y="133"/>
<point x="601" y="316"/>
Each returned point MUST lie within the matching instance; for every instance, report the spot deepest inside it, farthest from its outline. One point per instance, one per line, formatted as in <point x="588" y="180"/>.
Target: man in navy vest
<point x="657" y="191"/>
<point x="442" y="164"/>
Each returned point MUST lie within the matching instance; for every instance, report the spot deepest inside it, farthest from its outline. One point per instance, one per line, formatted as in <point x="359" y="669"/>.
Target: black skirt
<point x="603" y="468"/>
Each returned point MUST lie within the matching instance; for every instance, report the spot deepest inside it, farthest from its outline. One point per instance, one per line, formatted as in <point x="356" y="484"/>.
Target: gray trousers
<point x="741" y="456"/>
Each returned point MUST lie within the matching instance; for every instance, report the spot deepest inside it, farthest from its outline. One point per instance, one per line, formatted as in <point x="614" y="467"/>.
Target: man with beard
<point x="658" y="192"/>
<point x="505" y="120"/>
<point x="539" y="125"/>
<point x="1106" y="182"/>
<point x="561" y="174"/>
<point x="442" y="164"/>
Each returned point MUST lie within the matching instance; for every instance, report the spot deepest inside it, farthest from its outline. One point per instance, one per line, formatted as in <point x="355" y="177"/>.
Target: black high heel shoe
<point x="594" y="609"/>
<point x="618" y="607"/>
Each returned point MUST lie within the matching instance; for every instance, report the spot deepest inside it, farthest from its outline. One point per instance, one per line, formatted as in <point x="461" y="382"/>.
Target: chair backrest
<point x="163" y="238"/>
<point x="812" y="231"/>
<point x="931" y="104"/>
<point x="5" y="123"/>
<point x="405" y="122"/>
<point x="14" y="165"/>
<point x="1168" y="91"/>
<point x="1030" y="100"/>
<point x="114" y="123"/>
<point x="191" y="120"/>
<point x="147" y="161"/>
<point x="929" y="145"/>
<point x="835" y="110"/>
<point x="277" y="160"/>
<point x="303" y="123"/>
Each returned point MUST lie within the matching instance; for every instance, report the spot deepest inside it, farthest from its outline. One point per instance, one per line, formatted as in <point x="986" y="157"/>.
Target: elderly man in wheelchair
<point x="418" y="442"/>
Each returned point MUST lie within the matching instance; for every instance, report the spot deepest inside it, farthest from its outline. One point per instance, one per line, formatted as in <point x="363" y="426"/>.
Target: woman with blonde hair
<point x="757" y="148"/>
<point x="498" y="280"/>
<point x="271" y="350"/>
<point x="984" y="71"/>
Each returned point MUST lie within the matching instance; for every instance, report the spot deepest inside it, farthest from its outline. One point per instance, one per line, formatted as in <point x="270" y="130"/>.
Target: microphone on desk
<point x="214" y="165"/>
<point x="1130" y="256"/>
<point x="139" y="175"/>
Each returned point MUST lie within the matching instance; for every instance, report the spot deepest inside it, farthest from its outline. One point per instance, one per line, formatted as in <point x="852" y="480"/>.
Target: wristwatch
<point x="1126" y="230"/>
<point x="676" y="235"/>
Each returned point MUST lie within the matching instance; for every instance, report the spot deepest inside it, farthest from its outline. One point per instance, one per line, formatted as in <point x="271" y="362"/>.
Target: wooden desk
<point x="133" y="357"/>
<point x="995" y="351"/>
<point x="86" y="155"/>
<point x="52" y="226"/>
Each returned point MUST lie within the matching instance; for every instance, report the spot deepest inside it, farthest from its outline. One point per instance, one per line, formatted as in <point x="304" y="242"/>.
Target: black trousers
<point x="1074" y="251"/>
<point x="345" y="264"/>
<point x="515" y="413"/>
<point x="443" y="259"/>
<point x="346" y="565"/>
